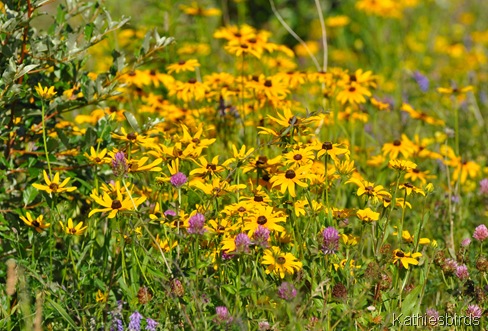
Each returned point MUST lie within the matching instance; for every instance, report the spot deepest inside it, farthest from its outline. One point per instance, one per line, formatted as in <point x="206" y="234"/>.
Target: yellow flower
<point x="54" y="186"/>
<point x="406" y="258"/>
<point x="264" y="216"/>
<point x="410" y="239"/>
<point x="341" y="265"/>
<point x="188" y="65"/>
<point x="44" y="92"/>
<point x="402" y="165"/>
<point x="101" y="297"/>
<point x="196" y="10"/>
<point x="165" y="245"/>
<point x="116" y="205"/>
<point x="97" y="157"/>
<point x="37" y="223"/>
<point x="140" y="165"/>
<point x="409" y="188"/>
<point x="350" y="239"/>
<point x="337" y="21"/>
<point x="287" y="180"/>
<point x="367" y="215"/>
<point x="375" y="193"/>
<point x="73" y="230"/>
<point x="280" y="263"/>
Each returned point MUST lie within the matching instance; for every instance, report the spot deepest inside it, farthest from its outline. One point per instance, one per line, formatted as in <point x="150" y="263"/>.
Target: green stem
<point x="44" y="139"/>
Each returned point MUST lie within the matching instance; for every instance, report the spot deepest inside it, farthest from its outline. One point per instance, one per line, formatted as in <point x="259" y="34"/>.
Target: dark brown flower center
<point x="132" y="73"/>
<point x="408" y="185"/>
<point x="327" y="145"/>
<point x="258" y="198"/>
<point x="152" y="72"/>
<point x="72" y="230"/>
<point x="212" y="167"/>
<point x="116" y="204"/>
<point x="262" y="160"/>
<point x="400" y="254"/>
<point x="192" y="81"/>
<point x="280" y="260"/>
<point x="244" y="46"/>
<point x="132" y="136"/>
<point x="416" y="171"/>
<point x="252" y="40"/>
<point x="297" y="157"/>
<point x="36" y="224"/>
<point x="54" y="187"/>
<point x="241" y="209"/>
<point x="112" y="109"/>
<point x="262" y="220"/>
<point x="397" y="143"/>
<point x="268" y="83"/>
<point x="97" y="159"/>
<point x="195" y="140"/>
<point x="181" y="62"/>
<point x="353" y="78"/>
<point x="352" y="89"/>
<point x="290" y="174"/>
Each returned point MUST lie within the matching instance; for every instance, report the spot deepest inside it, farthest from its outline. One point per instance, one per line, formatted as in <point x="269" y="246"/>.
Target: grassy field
<point x="243" y="165"/>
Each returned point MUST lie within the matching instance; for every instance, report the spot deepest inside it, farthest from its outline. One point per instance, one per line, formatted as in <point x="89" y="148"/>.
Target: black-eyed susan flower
<point x="37" y="223"/>
<point x="165" y="244"/>
<point x="415" y="114"/>
<point x="331" y="149"/>
<point x="299" y="157"/>
<point x="419" y="175"/>
<point x="410" y="239"/>
<point x="264" y="216"/>
<point x="353" y="93"/>
<point x="183" y="65"/>
<point x="403" y="147"/>
<point x="189" y="90"/>
<point x="367" y="215"/>
<point x="140" y="165"/>
<point x="116" y="205"/>
<point x="402" y="165"/>
<point x="54" y="186"/>
<point x="99" y="157"/>
<point x="373" y="192"/>
<point x="45" y="92"/>
<point x="406" y="258"/>
<point x="71" y="229"/>
<point x="206" y="168"/>
<point x="196" y="10"/>
<point x="287" y="180"/>
<point x="409" y="188"/>
<point x="280" y="263"/>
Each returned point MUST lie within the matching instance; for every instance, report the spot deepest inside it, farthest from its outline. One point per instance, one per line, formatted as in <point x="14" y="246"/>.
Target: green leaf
<point x="62" y="312"/>
<point x="410" y="304"/>
<point x="132" y="121"/>
<point x="30" y="193"/>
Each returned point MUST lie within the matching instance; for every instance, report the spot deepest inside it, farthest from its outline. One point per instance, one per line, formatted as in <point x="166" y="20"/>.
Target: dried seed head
<point x="144" y="295"/>
<point x="12" y="276"/>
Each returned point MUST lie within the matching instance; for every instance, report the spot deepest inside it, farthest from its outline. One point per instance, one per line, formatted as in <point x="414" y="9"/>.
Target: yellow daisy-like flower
<point x="73" y="230"/>
<point x="114" y="206"/>
<point x="101" y="297"/>
<point x="367" y="215"/>
<point x="280" y="263"/>
<point x="44" y="92"/>
<point x="182" y="65"/>
<point x="37" y="223"/>
<point x="406" y="258"/>
<point x="54" y="186"/>
<point x="402" y="165"/>
<point x="196" y="10"/>
<point x="291" y="177"/>
<point x="165" y="245"/>
<point x="97" y="157"/>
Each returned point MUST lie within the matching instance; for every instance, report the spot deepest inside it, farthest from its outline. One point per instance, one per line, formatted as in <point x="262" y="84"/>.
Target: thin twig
<point x="324" y="33"/>
<point x="293" y="33"/>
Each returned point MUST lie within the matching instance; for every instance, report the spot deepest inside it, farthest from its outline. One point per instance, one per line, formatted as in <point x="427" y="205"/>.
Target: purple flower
<point x="261" y="236"/>
<point x="135" y="321"/>
<point x="196" y="223"/>
<point x="116" y="323"/>
<point x="287" y="291"/>
<point x="178" y="179"/>
<point x="432" y="316"/>
<point x="480" y="233"/>
<point x="170" y="212"/>
<point x="223" y="315"/>
<point x="422" y="81"/>
<point x="466" y="242"/>
<point x="242" y="242"/>
<point x="484" y="187"/>
<point x="474" y="311"/>
<point x="263" y="326"/>
<point x="119" y="165"/>
<point x="151" y="324"/>
<point x="225" y="256"/>
<point x="330" y="240"/>
<point x="462" y="272"/>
